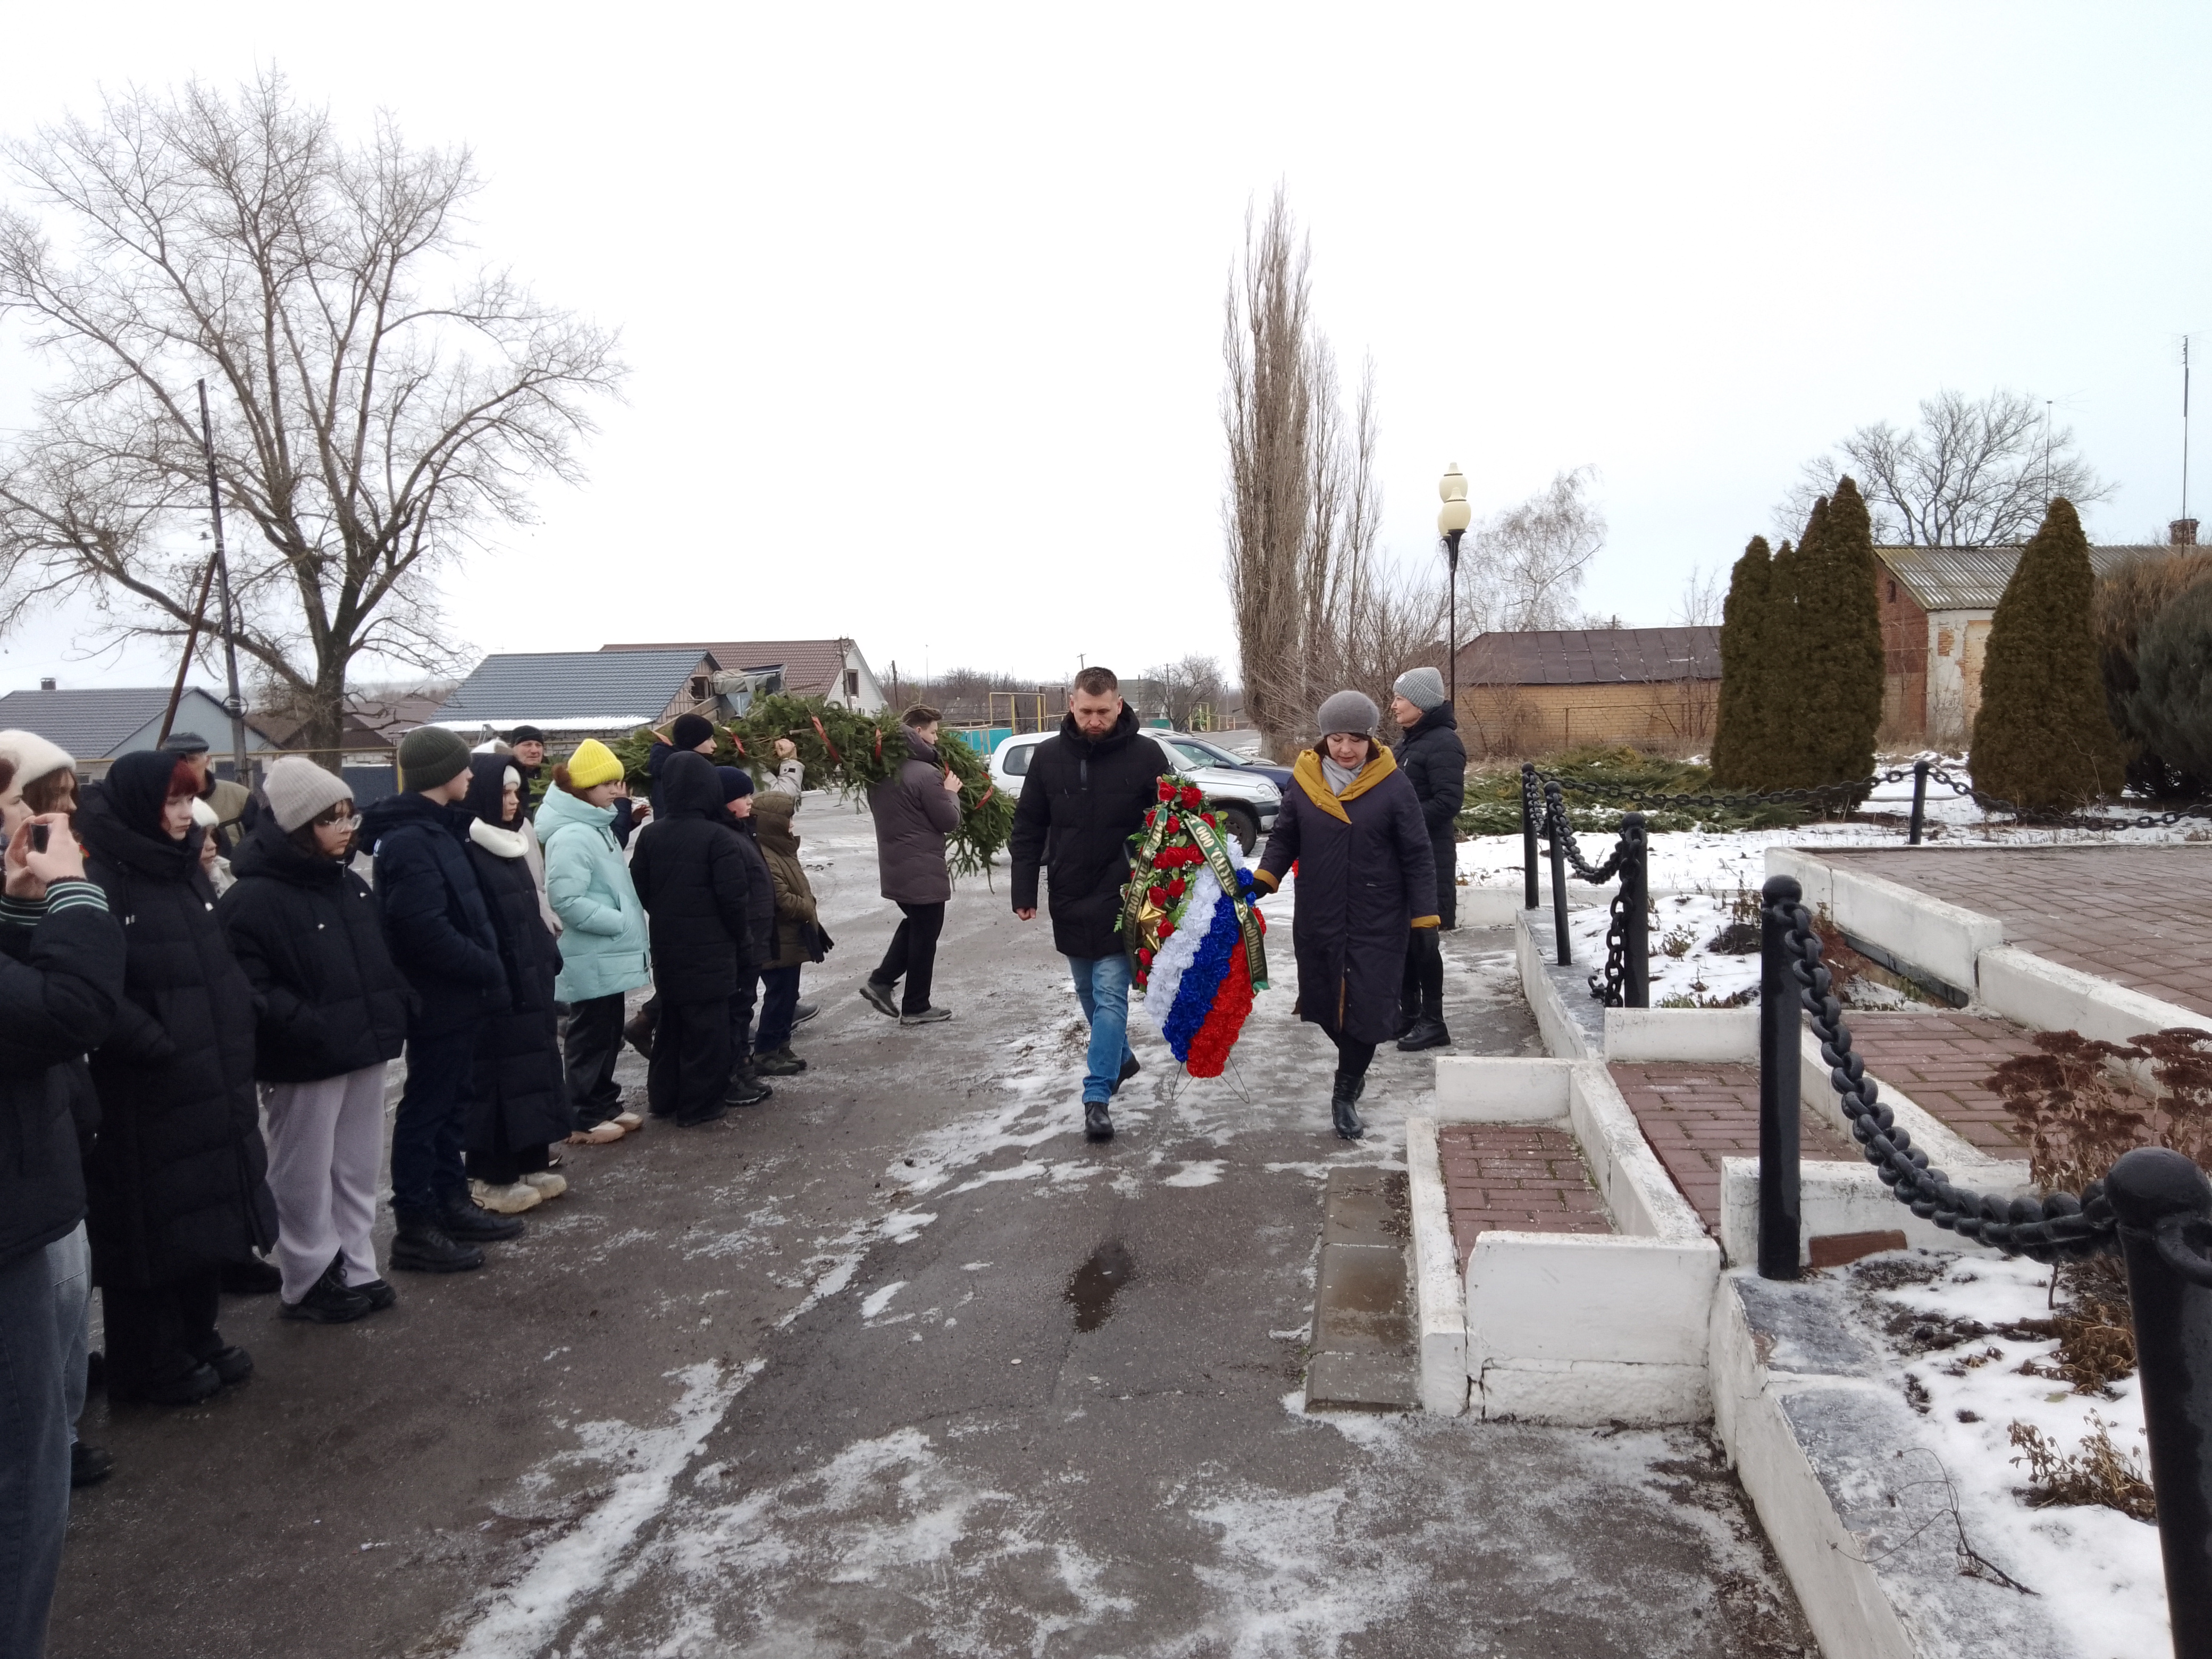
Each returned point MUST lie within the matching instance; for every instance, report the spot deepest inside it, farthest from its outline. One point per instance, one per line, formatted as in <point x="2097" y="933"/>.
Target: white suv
<point x="1247" y="802"/>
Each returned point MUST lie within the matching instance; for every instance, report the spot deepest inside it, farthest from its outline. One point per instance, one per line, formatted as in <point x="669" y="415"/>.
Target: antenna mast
<point x="2185" y="426"/>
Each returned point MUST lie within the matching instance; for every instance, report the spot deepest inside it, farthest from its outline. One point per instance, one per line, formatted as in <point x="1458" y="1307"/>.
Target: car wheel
<point x="1240" y="823"/>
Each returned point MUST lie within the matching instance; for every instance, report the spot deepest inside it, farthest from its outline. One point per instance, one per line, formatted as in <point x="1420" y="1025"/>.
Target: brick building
<point x="1530" y="692"/>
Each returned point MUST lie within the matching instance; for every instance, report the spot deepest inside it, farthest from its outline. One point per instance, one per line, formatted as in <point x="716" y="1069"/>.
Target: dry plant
<point x="2099" y="1472"/>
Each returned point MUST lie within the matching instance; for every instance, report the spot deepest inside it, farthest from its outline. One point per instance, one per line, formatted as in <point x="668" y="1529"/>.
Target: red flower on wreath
<point x="1158" y="896"/>
<point x="1175" y="887"/>
<point x="1166" y="927"/>
<point x="1144" y="955"/>
<point x="1191" y="797"/>
<point x="1167" y="790"/>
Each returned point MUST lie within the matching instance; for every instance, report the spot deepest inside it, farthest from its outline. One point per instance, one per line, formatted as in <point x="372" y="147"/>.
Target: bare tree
<point x="1524" y="567"/>
<point x="1975" y="473"/>
<point x="1703" y="591"/>
<point x="1180" y="690"/>
<point x="380" y="407"/>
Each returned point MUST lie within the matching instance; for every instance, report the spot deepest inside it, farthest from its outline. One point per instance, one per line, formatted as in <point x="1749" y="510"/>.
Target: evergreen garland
<point x="850" y="752"/>
<point x="1738" y="733"/>
<point x="2043" y="736"/>
<point x="1836" y="659"/>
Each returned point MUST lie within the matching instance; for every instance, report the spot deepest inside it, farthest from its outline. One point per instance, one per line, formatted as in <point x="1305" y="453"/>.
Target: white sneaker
<point x="550" y="1183"/>
<point x="506" y="1200"/>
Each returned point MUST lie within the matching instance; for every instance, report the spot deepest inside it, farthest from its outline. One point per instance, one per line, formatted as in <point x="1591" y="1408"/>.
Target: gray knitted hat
<point x="1423" y="688"/>
<point x="430" y="756"/>
<point x="298" y="791"/>
<point x="1348" y="711"/>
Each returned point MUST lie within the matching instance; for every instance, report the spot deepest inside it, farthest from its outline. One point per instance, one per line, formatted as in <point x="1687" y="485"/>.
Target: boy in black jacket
<point x="441" y="939"/>
<point x="689" y="873"/>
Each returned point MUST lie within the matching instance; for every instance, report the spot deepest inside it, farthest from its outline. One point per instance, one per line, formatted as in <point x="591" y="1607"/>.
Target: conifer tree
<point x="1739" y="729"/>
<point x="1838" y="659"/>
<point x="2043" y="737"/>
<point x="1782" y="763"/>
<point x="2172" y="702"/>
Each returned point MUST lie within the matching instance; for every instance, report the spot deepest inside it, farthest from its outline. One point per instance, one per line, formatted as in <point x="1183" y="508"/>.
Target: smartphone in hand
<point x="39" y="833"/>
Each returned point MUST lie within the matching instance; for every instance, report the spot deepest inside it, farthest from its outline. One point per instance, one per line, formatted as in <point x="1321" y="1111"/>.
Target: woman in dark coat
<point x="176" y="1181"/>
<point x="1434" y="762"/>
<point x="521" y="1107"/>
<point x="1366" y="878"/>
<point x="746" y="1088"/>
<point x="689" y="873"/>
<point x="915" y="809"/>
<point x="307" y="932"/>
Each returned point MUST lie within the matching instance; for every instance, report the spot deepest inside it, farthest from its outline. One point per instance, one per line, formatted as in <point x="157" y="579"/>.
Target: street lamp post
<point x="1451" y="525"/>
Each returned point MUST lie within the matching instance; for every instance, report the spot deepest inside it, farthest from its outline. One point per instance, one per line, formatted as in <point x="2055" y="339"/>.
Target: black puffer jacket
<point x="691" y="876"/>
<point x="309" y="934"/>
<point x="519" y="1099"/>
<point x="1434" y="761"/>
<point x="177" y="1175"/>
<point x="435" y="917"/>
<point x="760" y="889"/>
<point x="61" y="976"/>
<point x="1084" y="799"/>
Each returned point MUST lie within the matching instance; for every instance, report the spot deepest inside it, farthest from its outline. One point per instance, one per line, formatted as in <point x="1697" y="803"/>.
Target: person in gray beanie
<point x="307" y="932"/>
<point x="1434" y="760"/>
<point x="1366" y="880"/>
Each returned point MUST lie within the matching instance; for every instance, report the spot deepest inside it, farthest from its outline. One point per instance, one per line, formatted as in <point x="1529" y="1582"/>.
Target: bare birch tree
<point x="1524" y="568"/>
<point x="1975" y="473"/>
<point x="380" y="406"/>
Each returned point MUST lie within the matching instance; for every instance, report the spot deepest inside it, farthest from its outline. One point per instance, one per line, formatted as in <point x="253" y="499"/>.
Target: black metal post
<point x="1779" y="1023"/>
<point x="1919" y="801"/>
<point x="1529" y="897"/>
<point x="1635" y="913"/>
<point x="1555" y="831"/>
<point x="2165" y="1207"/>
<point x="1451" y="560"/>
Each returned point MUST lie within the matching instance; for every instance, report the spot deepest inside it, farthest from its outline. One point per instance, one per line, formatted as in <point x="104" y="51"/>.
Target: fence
<point x="2153" y="1208"/>
<point x="1626" y="980"/>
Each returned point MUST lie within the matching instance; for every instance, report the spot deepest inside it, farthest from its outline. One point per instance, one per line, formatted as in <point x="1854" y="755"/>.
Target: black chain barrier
<point x="1619" y="985"/>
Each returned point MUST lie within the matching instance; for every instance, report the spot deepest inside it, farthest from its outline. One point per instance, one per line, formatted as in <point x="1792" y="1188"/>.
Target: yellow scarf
<point x="1307" y="773"/>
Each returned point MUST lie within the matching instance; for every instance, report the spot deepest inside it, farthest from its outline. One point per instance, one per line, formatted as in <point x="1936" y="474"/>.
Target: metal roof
<point x="1591" y="656"/>
<point x="812" y="668"/>
<point x="93" y="722"/>
<point x="608" y="687"/>
<point x="1974" y="578"/>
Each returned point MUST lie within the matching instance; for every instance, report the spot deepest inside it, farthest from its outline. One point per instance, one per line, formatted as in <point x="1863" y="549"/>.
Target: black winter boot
<point x="746" y="1087"/>
<point x="777" y="1062"/>
<point x="470" y="1223"/>
<point x="423" y="1246"/>
<point x="638" y="1030"/>
<point x="1426" y="1032"/>
<point x="1344" y="1102"/>
<point x="328" y="1301"/>
<point x="1098" y="1121"/>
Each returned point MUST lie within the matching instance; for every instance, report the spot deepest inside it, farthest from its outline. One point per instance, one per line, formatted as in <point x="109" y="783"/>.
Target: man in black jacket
<point x="1086" y="793"/>
<point x="443" y="940"/>
<point x="61" y="976"/>
<point x="1432" y="757"/>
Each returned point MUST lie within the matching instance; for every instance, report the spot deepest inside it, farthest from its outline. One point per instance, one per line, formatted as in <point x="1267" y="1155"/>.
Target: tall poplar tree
<point x="1738" y="730"/>
<point x="2043" y="736"/>
<point x="1838" y="661"/>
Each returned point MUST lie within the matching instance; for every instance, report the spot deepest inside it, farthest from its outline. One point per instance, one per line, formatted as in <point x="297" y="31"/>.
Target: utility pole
<point x="233" y="704"/>
<point x="2185" y="426"/>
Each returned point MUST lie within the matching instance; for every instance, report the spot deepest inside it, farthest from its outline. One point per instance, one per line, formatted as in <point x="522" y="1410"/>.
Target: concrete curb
<point x="2031" y="990"/>
<point x="1440" y="1310"/>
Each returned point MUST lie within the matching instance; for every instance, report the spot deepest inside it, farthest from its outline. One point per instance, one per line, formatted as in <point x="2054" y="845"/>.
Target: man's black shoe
<point x="234" y="1365"/>
<point x="328" y="1301"/>
<point x="637" y="1031"/>
<point x="879" y="997"/>
<point x="1425" y="1033"/>
<point x="1129" y="1069"/>
<point x="777" y="1062"/>
<point x="90" y="1465"/>
<point x="803" y="1012"/>
<point x="470" y="1223"/>
<point x="196" y="1385"/>
<point x="423" y="1246"/>
<point x="747" y="1089"/>
<point x="380" y="1294"/>
<point x="1098" y="1121"/>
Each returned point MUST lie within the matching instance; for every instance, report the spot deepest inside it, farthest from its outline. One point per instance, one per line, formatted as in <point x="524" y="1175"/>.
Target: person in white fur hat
<point x="307" y="932"/>
<point x="46" y="773"/>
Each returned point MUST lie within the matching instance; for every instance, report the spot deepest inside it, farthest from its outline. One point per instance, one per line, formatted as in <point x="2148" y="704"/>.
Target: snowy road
<point x="814" y="1383"/>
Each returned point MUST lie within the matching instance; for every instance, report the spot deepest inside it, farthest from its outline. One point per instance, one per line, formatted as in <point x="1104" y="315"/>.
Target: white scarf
<point x="502" y="843"/>
<point x="1340" y="778"/>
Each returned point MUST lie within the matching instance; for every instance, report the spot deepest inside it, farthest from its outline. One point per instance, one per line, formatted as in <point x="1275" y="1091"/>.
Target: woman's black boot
<point x="1343" y="1104"/>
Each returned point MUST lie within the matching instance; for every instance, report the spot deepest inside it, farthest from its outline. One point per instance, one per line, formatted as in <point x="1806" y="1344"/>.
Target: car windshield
<point x="1192" y="754"/>
<point x="1015" y="762"/>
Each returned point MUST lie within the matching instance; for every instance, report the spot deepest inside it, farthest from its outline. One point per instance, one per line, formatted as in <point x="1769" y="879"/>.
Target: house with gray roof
<point x="97" y="723"/>
<point x="1529" y="691"/>
<point x="833" y="670"/>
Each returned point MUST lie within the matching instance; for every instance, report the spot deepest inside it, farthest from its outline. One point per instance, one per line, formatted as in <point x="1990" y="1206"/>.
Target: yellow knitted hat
<point x="593" y="764"/>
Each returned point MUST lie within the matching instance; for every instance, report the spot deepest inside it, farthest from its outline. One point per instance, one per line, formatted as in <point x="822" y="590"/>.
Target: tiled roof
<point x="1974" y="578"/>
<point x="557" y="685"/>
<point x="1591" y="656"/>
<point x="810" y="667"/>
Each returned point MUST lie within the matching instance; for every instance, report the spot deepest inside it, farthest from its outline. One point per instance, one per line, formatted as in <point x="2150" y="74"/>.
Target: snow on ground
<point x="1719" y="861"/>
<point x="2098" y="1571"/>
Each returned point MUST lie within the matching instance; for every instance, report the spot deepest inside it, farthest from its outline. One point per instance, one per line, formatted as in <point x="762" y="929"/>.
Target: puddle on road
<point x="1096" y="1284"/>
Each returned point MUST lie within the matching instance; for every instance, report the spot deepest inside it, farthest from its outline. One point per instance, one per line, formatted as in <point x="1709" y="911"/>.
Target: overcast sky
<point x="924" y="303"/>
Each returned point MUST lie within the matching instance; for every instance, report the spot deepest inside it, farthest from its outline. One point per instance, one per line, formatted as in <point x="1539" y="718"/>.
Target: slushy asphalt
<point x="812" y="1381"/>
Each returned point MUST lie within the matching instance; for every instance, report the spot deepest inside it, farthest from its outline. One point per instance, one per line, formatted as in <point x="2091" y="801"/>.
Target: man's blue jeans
<point x="1101" y="986"/>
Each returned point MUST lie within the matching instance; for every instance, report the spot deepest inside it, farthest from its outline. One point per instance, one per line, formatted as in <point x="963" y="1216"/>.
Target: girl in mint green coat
<point x="604" y="953"/>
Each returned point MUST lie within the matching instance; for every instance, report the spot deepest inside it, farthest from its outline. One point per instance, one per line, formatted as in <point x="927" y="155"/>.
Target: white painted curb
<point x="1440" y="1310"/>
<point x="2031" y="990"/>
<point x="1721" y="1036"/>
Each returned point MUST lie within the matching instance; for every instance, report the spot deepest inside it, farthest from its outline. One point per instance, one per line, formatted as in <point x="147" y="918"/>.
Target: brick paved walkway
<point x="2140" y="916"/>
<point x="1694" y="1114"/>
<point x="1939" y="1059"/>
<point x="1516" y="1176"/>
